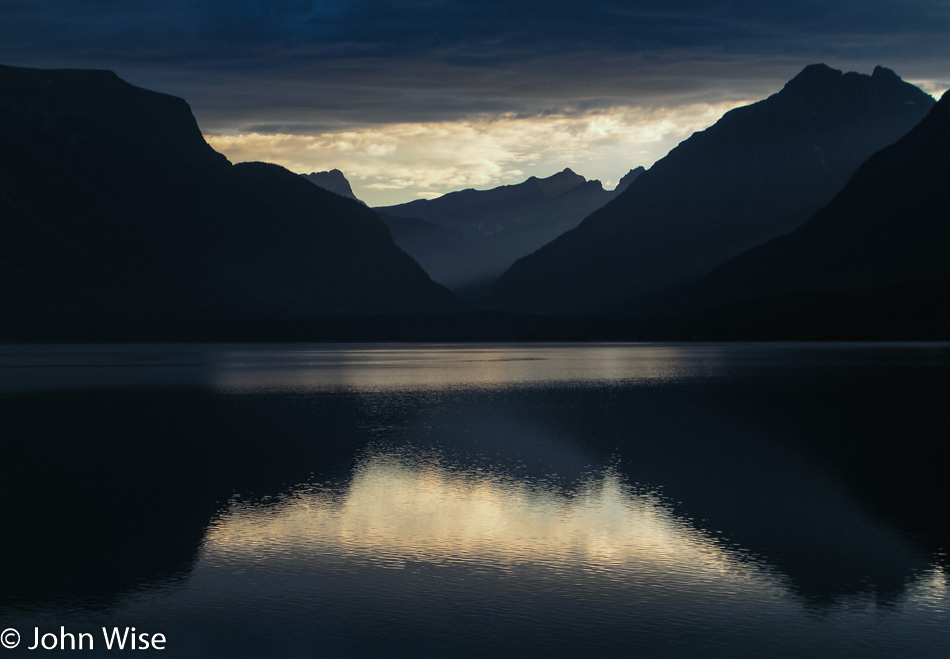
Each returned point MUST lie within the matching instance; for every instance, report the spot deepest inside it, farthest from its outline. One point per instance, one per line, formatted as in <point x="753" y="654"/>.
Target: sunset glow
<point x="393" y="163"/>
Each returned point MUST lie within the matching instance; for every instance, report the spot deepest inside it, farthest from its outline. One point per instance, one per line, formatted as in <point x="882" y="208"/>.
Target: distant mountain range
<point x="467" y="239"/>
<point x="758" y="173"/>
<point x="819" y="212"/>
<point x="116" y="215"/>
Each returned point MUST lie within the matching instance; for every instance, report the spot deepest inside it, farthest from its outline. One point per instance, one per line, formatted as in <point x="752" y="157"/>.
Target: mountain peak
<point x="120" y="209"/>
<point x="878" y="244"/>
<point x="821" y="83"/>
<point x="813" y="79"/>
<point x="883" y="73"/>
<point x="629" y="178"/>
<point x="79" y="100"/>
<point x="820" y="69"/>
<point x="334" y="181"/>
<point x="757" y="173"/>
<point x="558" y="184"/>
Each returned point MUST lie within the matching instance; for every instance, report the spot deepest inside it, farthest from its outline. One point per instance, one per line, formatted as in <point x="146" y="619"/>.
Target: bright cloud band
<point x="397" y="162"/>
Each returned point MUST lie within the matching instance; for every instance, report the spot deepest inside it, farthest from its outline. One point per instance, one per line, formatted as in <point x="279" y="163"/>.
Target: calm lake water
<point x="694" y="500"/>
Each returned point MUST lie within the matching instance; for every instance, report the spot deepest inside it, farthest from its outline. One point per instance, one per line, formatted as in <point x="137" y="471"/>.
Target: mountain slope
<point x="880" y="246"/>
<point x="498" y="226"/>
<point x="758" y="173"/>
<point x="115" y="213"/>
<point x="445" y="254"/>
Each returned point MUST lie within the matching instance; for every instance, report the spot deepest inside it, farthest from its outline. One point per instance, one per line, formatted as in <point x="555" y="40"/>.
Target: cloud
<point x="397" y="162"/>
<point x="381" y="61"/>
<point x="312" y="68"/>
<point x="935" y="88"/>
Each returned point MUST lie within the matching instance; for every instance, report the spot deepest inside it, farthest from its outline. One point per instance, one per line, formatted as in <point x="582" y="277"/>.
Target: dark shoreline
<point x="829" y="317"/>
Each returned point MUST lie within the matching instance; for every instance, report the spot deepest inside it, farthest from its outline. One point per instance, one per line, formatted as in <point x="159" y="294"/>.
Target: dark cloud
<point x="333" y="62"/>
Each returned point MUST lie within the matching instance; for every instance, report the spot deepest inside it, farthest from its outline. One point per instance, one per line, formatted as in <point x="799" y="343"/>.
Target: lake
<point x="648" y="500"/>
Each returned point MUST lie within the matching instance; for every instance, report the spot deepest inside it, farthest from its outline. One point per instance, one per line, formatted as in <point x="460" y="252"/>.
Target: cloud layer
<point x="384" y="162"/>
<point x="312" y="68"/>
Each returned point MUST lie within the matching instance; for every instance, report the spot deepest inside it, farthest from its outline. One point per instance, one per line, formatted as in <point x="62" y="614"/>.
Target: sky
<point x="417" y="98"/>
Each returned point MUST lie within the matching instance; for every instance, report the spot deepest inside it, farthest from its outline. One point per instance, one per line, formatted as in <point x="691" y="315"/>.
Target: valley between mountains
<point x="818" y="212"/>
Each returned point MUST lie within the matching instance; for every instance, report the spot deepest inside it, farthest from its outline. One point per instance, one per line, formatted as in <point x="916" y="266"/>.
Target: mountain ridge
<point x="497" y="226"/>
<point x="886" y="233"/>
<point x="759" y="172"/>
<point x="110" y="225"/>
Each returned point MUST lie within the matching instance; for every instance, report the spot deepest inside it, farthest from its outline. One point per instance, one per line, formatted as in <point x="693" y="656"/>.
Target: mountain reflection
<point x="596" y="497"/>
<point x="396" y="509"/>
<point x="415" y="541"/>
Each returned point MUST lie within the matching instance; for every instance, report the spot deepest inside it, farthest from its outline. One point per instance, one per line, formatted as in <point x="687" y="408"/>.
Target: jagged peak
<point x="336" y="173"/>
<point x="883" y="73"/>
<point x="632" y="174"/>
<point x="559" y="183"/>
<point x="629" y="178"/>
<point x="816" y="79"/>
<point x="812" y="78"/>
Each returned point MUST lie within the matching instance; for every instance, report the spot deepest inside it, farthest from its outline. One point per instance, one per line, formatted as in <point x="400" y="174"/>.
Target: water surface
<point x="450" y="500"/>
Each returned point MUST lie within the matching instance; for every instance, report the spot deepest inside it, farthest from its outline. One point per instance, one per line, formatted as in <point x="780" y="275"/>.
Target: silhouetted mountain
<point x="758" y="173"/>
<point x="500" y="225"/>
<point x="875" y="255"/>
<point x="334" y="181"/>
<point x="627" y="179"/>
<point x="116" y="214"/>
<point x="474" y="211"/>
<point x="445" y="254"/>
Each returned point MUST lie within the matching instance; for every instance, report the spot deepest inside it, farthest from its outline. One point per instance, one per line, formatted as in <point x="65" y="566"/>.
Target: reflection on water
<point x="397" y="509"/>
<point x="601" y="568"/>
<point x="236" y="369"/>
<point x="439" y="368"/>
<point x="709" y="500"/>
